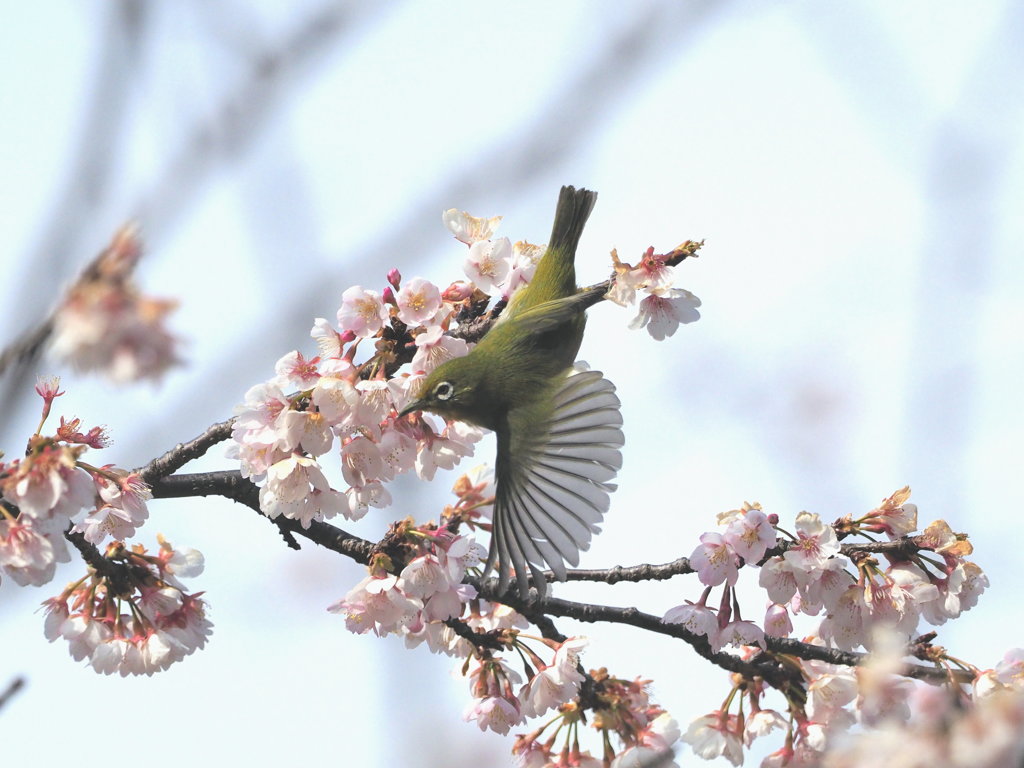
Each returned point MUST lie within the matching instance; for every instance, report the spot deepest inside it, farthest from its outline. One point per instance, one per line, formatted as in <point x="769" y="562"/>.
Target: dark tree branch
<point x="766" y="668"/>
<point x="231" y="485"/>
<point x="182" y="453"/>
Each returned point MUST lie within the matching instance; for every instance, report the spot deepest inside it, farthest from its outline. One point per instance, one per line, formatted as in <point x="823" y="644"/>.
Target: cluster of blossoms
<point x="51" y="488"/>
<point x="132" y="615"/>
<point x="427" y="603"/>
<point x="104" y="324"/>
<point x="331" y="401"/>
<point x="905" y="723"/>
<point x="415" y="587"/>
<point x="664" y="307"/>
<point x="620" y="708"/>
<point x="863" y="604"/>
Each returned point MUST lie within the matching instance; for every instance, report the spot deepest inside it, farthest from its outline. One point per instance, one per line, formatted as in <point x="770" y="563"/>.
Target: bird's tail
<point x="555" y="277"/>
<point x="574" y="207"/>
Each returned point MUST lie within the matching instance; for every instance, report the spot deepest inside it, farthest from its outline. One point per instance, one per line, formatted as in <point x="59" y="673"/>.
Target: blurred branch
<point x="223" y="136"/>
<point x="243" y="112"/>
<point x="15" y="685"/>
<point x="25" y="349"/>
<point x="84" y="188"/>
<point x="530" y="152"/>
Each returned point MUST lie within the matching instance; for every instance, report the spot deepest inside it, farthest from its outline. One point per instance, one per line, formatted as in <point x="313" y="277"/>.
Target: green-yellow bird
<point x="558" y="429"/>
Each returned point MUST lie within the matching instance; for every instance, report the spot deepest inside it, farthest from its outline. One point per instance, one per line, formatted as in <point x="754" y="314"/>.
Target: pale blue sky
<point x="856" y="170"/>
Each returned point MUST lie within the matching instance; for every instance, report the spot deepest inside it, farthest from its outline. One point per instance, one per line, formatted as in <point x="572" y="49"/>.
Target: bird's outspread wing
<point x="553" y="467"/>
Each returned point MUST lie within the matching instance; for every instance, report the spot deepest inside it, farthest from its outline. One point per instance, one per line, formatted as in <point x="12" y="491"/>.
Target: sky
<point x="855" y="170"/>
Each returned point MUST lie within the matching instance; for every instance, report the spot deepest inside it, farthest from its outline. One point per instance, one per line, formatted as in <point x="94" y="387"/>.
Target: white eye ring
<point x="444" y="390"/>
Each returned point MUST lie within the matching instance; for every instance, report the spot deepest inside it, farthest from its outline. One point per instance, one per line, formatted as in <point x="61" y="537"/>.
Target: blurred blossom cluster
<point x="863" y="604"/>
<point x="51" y="489"/>
<point x="135" y="617"/>
<point x="106" y="325"/>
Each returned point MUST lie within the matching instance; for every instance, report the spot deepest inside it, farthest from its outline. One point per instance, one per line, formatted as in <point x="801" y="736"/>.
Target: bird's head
<point x="452" y="390"/>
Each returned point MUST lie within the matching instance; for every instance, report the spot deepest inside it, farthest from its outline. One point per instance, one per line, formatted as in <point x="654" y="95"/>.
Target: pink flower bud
<point x="458" y="291"/>
<point x="395" y="278"/>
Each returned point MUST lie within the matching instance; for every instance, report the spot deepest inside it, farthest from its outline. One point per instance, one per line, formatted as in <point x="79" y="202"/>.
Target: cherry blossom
<point x="816" y="542"/>
<point x="488" y="264"/>
<point x="418" y="302"/>
<point x="469" y="229"/>
<point x="664" y="310"/>
<point x="714" y="561"/>
<point x="362" y="311"/>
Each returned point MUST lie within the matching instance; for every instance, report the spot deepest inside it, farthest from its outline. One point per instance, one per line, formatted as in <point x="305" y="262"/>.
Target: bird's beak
<point x="415" y="405"/>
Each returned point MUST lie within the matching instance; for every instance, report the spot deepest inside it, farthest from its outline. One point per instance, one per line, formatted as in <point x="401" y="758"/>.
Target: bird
<point x="558" y="426"/>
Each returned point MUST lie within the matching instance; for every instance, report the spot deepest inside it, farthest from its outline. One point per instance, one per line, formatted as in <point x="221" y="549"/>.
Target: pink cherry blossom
<point x="823" y="587"/>
<point x="495" y="713"/>
<point x="358" y="500"/>
<point x="777" y="622"/>
<point x="469" y="229"/>
<point x="308" y="431"/>
<point x="362" y="311"/>
<point x="664" y="310"/>
<point x="761" y="723"/>
<point x="337" y="399"/>
<point x="328" y="341"/>
<point x="488" y="264"/>
<point x="105" y="324"/>
<point x="524" y="263"/>
<point x="776" y="577"/>
<point x="380" y="604"/>
<point x="28" y="555"/>
<point x="375" y="403"/>
<point x="740" y="633"/>
<point x="715" y="735"/>
<point x="750" y="535"/>
<point x="296" y="488"/>
<point x="844" y="624"/>
<point x="48" y="485"/>
<point x="1010" y="670"/>
<point x="294" y="371"/>
<point x="424" y="576"/>
<point x="696" y="619"/>
<point x="434" y="347"/>
<point x="829" y="689"/>
<point x="816" y="542"/>
<point x="448" y="603"/>
<point x="361" y="461"/>
<point x="714" y="561"/>
<point x="418" y="301"/>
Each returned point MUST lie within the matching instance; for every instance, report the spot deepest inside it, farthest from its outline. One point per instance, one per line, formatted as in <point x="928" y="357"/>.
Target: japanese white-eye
<point x="558" y="429"/>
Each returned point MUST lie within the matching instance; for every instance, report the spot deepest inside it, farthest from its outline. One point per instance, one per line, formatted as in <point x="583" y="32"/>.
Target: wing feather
<point x="552" y="474"/>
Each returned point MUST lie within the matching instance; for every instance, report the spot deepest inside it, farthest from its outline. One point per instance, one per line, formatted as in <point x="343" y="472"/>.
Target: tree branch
<point x="182" y="453"/>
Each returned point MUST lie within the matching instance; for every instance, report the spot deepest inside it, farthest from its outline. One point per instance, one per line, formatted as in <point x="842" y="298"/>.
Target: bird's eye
<point x="444" y="390"/>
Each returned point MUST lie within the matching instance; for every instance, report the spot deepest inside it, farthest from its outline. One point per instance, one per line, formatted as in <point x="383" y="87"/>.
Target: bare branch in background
<point x="13" y="687"/>
<point x="274" y="71"/>
<point x="85" y="189"/>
